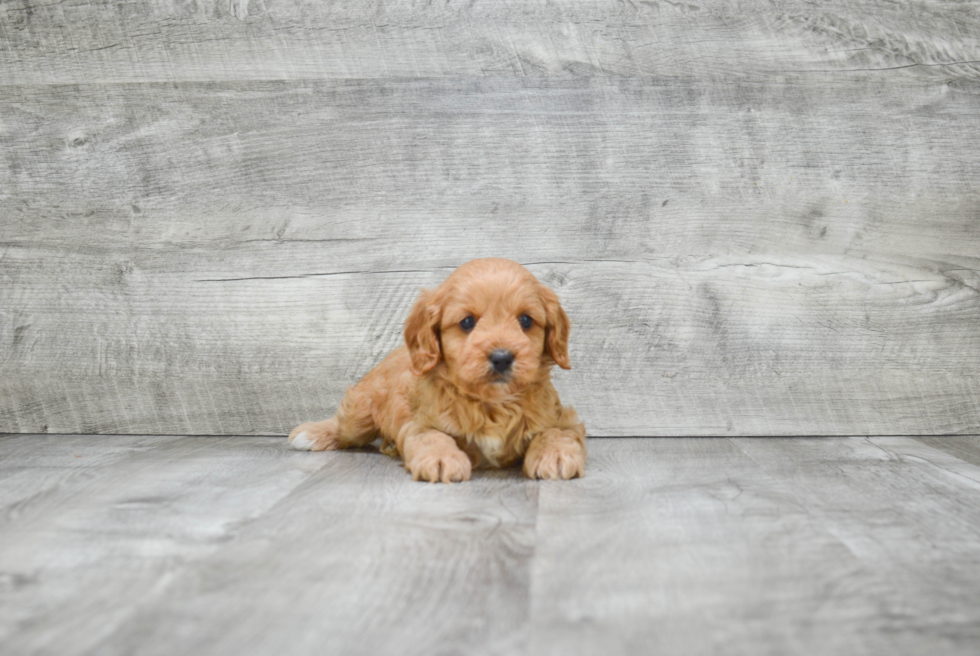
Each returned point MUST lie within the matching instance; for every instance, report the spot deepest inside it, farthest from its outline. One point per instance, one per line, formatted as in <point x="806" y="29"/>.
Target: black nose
<point x="501" y="360"/>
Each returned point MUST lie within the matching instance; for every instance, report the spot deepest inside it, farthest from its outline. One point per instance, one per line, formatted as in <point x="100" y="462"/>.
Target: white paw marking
<point x="302" y="441"/>
<point x="491" y="447"/>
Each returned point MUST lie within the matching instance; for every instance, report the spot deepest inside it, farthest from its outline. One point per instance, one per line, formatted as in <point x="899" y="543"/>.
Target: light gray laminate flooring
<point x="239" y="545"/>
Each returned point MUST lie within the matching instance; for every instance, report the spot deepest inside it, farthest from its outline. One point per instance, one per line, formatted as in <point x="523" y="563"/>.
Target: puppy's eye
<point x="467" y="324"/>
<point x="526" y="321"/>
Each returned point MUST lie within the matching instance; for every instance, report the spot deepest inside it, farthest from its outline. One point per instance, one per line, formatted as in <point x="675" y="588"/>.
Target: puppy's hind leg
<point x="353" y="425"/>
<point x="316" y="435"/>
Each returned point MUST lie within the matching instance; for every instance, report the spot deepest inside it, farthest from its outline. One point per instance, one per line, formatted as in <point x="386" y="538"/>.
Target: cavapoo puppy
<point x="472" y="385"/>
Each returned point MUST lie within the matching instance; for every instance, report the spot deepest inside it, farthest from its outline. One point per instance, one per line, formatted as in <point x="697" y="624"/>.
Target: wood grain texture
<point x="759" y="546"/>
<point x="964" y="448"/>
<point x="158" y="503"/>
<point x="416" y="568"/>
<point x="140" y="530"/>
<point x="910" y="509"/>
<point x="165" y="40"/>
<point x="622" y="166"/>
<point x="222" y="364"/>
<point x="152" y="545"/>
<point x="182" y="259"/>
<point x="762" y="217"/>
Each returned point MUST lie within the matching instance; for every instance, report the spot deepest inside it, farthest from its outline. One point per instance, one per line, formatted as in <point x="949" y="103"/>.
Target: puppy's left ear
<point x="421" y="333"/>
<point x="557" y="329"/>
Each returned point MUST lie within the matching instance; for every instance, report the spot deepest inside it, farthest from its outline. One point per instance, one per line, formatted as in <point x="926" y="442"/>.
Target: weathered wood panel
<point x="207" y="258"/>
<point x="164" y="40"/>
<point x="964" y="448"/>
<point x="723" y="551"/>
<point x="758" y="546"/>
<point x="157" y="545"/>
<point x="762" y="216"/>
<point x="347" y="542"/>
<point x="906" y="490"/>
<point x="90" y="529"/>
<point x="723" y="345"/>
<point x="622" y="166"/>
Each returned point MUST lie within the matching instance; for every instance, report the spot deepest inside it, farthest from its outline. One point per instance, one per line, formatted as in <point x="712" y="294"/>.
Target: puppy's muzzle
<point x="501" y="361"/>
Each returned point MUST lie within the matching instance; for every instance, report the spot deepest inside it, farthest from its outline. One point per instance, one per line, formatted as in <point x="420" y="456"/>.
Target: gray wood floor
<point x="239" y="545"/>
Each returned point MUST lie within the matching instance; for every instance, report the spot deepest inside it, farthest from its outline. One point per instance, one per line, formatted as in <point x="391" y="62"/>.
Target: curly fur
<point x="439" y="403"/>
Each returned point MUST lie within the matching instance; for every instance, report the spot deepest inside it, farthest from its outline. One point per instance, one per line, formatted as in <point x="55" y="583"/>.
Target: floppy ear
<point x="557" y="329"/>
<point x="422" y="333"/>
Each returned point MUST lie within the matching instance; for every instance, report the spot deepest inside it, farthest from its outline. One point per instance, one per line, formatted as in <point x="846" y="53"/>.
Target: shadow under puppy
<point x="472" y="385"/>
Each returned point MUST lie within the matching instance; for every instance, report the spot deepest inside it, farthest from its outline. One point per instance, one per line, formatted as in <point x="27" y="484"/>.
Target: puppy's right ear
<point x="421" y="333"/>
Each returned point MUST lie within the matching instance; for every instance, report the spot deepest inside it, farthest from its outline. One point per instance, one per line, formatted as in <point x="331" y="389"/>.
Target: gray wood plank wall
<point x="762" y="217"/>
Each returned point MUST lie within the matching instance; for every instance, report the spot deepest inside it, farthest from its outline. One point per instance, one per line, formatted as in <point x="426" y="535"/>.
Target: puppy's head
<point x="491" y="326"/>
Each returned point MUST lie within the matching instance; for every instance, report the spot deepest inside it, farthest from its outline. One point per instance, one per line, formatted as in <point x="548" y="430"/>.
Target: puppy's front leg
<point x="433" y="456"/>
<point x="557" y="453"/>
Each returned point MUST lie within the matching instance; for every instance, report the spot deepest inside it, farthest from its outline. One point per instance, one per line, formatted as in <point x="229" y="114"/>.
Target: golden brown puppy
<point x="472" y="385"/>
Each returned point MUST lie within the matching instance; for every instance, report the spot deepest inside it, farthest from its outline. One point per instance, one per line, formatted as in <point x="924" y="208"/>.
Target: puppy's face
<point x="493" y="327"/>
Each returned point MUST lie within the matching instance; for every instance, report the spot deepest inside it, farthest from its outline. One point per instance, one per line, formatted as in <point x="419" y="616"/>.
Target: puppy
<point x="472" y="385"/>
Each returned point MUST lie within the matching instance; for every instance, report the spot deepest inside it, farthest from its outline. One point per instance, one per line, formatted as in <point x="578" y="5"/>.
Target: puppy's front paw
<point x="555" y="459"/>
<point x="316" y="436"/>
<point x="440" y="464"/>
